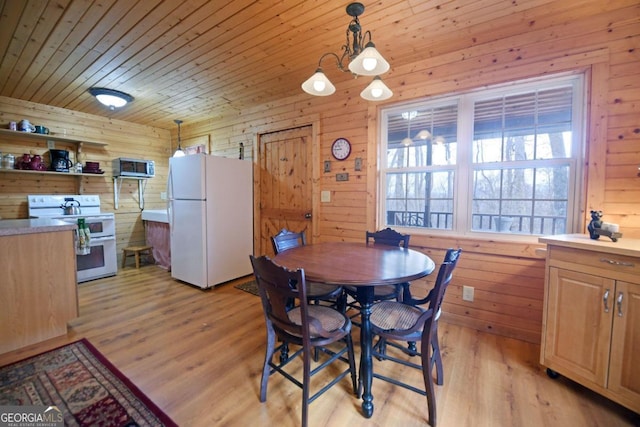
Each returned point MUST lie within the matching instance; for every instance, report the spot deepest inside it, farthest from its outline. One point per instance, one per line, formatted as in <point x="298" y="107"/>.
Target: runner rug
<point x="251" y="286"/>
<point x="81" y="384"/>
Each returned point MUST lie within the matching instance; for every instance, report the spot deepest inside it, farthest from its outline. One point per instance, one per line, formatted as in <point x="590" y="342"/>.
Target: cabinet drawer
<point x="617" y="266"/>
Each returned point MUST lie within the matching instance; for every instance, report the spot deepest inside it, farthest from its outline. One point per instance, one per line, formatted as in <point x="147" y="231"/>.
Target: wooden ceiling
<point x="200" y="59"/>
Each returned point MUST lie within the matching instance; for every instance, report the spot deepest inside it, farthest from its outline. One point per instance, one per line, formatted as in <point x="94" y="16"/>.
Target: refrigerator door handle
<point x="170" y="198"/>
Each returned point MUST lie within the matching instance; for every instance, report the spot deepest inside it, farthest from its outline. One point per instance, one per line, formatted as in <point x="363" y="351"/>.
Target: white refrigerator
<point x="211" y="218"/>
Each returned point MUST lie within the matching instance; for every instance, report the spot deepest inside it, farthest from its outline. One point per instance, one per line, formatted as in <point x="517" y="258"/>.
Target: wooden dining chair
<point x="387" y="237"/>
<point x="451" y="255"/>
<point x="316" y="292"/>
<point x="302" y="324"/>
<point x="396" y="322"/>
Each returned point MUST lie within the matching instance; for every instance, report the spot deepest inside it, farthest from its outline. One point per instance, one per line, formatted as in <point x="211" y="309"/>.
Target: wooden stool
<point x="136" y="251"/>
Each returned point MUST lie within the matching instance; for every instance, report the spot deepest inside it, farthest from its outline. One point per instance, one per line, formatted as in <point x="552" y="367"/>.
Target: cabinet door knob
<point x="606" y="301"/>
<point x="619" y="302"/>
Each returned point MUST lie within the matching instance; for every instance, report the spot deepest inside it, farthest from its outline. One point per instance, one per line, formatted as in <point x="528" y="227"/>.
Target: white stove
<point x="102" y="260"/>
<point x="50" y="206"/>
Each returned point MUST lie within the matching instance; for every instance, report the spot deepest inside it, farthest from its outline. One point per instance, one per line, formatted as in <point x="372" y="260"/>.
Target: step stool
<point x="136" y="251"/>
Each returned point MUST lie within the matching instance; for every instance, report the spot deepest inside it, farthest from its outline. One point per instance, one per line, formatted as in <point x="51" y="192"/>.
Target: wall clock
<point x="341" y="148"/>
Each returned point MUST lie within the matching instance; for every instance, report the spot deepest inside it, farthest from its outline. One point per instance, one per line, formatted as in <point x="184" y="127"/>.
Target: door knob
<point x="307" y="215"/>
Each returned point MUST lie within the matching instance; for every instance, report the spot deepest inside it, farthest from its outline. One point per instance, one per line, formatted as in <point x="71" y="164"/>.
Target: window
<point x="499" y="160"/>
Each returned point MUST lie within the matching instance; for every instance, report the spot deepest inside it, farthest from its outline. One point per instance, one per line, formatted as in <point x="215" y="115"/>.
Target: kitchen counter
<point x="626" y="247"/>
<point x="38" y="288"/>
<point x="12" y="227"/>
<point x="156" y="215"/>
<point x="158" y="235"/>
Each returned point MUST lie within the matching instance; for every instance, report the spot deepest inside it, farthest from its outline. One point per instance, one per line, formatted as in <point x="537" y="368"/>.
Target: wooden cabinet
<point x="38" y="289"/>
<point x="591" y="319"/>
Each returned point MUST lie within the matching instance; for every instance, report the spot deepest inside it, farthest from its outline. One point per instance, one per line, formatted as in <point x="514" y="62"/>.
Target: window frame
<point x="464" y="167"/>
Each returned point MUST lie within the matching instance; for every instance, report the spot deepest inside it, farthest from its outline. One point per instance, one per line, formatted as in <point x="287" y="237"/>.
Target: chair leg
<point x="436" y="359"/>
<point x="271" y="340"/>
<point x="306" y="379"/>
<point x="381" y="347"/>
<point x="428" y="381"/>
<point x="352" y="364"/>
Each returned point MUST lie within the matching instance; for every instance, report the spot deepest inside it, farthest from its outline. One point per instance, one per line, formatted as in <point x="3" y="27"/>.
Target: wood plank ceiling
<point x="200" y="59"/>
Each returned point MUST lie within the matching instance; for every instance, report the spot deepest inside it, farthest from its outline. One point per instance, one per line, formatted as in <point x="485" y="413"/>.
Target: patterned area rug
<point x="83" y="385"/>
<point x="251" y="286"/>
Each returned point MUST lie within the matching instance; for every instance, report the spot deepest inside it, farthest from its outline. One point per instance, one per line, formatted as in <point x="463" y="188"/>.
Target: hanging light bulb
<point x="179" y="152"/>
<point x="318" y="84"/>
<point x="369" y="62"/>
<point x="376" y="91"/>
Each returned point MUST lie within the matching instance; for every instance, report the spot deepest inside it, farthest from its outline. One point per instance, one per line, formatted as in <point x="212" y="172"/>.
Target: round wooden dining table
<point x="363" y="266"/>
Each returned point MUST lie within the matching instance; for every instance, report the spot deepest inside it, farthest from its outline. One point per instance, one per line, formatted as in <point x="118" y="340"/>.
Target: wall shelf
<point x="49" y="172"/>
<point x="14" y="136"/>
<point x="55" y="137"/>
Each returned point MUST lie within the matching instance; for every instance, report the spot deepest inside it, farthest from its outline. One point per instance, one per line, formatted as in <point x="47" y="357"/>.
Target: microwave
<point x="134" y="168"/>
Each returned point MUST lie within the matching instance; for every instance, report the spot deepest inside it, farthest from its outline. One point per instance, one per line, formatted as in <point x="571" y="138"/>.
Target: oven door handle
<point x="97" y="218"/>
<point x="102" y="239"/>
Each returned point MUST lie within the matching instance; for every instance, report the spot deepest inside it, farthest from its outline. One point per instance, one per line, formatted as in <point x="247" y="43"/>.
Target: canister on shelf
<point x="8" y="161"/>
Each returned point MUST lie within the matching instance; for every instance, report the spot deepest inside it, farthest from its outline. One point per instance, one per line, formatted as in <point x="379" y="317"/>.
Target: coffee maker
<point x="60" y="160"/>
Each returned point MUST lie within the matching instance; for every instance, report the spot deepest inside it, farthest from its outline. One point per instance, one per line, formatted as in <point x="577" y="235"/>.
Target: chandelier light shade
<point x="179" y="152"/>
<point x="376" y="91"/>
<point x="318" y="84"/>
<point x="110" y="97"/>
<point x="363" y="59"/>
<point x="369" y="62"/>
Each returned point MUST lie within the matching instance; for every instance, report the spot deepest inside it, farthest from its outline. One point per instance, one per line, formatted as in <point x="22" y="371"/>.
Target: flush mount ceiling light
<point x="179" y="152"/>
<point x="110" y="97"/>
<point x="364" y="60"/>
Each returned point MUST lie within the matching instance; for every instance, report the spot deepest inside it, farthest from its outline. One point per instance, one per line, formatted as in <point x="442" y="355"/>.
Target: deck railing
<point x="527" y="224"/>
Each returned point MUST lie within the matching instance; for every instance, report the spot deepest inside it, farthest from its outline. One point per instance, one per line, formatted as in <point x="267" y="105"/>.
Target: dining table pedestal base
<point x="365" y="295"/>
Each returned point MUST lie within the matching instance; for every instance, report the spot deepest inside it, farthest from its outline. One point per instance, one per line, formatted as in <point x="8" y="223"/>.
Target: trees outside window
<point x="501" y="160"/>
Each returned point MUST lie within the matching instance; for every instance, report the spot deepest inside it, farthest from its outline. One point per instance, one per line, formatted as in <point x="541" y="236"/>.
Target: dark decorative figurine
<point x="596" y="223"/>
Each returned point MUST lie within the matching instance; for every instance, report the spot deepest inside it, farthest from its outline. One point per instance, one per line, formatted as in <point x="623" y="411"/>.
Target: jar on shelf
<point x="8" y="161"/>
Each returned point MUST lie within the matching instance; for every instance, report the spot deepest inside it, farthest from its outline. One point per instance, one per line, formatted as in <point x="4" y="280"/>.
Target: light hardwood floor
<point x="198" y="355"/>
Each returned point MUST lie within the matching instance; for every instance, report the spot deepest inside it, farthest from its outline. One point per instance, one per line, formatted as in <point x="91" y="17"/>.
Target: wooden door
<point x="578" y="329"/>
<point x="285" y="184"/>
<point x="624" y="374"/>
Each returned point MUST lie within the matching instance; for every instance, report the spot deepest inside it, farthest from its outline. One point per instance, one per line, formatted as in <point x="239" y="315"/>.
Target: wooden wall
<point x="122" y="139"/>
<point x="601" y="39"/>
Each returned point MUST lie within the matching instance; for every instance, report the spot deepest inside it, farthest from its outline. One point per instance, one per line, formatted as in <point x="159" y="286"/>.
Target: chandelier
<point x="364" y="60"/>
